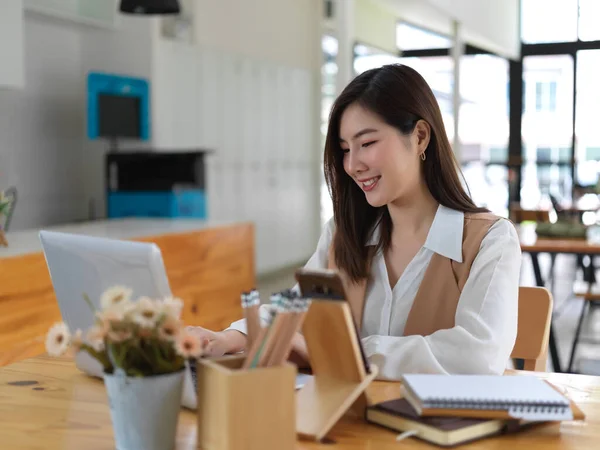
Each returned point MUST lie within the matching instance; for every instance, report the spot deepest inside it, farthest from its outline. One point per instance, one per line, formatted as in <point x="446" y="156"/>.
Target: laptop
<point x="81" y="264"/>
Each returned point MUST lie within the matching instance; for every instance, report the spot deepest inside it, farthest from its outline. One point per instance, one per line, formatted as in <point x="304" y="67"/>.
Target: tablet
<point x="326" y="285"/>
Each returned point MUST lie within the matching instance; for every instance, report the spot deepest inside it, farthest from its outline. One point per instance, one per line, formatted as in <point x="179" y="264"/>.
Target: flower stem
<point x="89" y="302"/>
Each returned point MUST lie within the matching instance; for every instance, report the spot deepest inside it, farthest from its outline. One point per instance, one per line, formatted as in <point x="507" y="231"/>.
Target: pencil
<point x="251" y="303"/>
<point x="284" y="331"/>
<point x="278" y="325"/>
<point x="299" y="309"/>
<point x="254" y="351"/>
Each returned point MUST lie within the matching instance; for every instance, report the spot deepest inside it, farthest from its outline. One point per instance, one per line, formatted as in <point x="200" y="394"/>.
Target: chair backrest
<point x="518" y="215"/>
<point x="533" y="330"/>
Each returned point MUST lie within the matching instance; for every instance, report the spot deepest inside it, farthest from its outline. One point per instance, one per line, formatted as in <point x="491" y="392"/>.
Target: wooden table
<point x="48" y="404"/>
<point x="208" y="265"/>
<point x="533" y="245"/>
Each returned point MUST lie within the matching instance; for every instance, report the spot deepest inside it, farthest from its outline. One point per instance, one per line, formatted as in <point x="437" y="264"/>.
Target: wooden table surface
<point x="46" y="403"/>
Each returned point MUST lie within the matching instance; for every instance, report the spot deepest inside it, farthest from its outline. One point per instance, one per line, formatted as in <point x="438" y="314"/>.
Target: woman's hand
<point x="299" y="353"/>
<point x="219" y="343"/>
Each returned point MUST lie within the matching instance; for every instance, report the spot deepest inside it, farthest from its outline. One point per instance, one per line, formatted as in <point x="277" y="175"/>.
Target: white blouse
<point x="486" y="316"/>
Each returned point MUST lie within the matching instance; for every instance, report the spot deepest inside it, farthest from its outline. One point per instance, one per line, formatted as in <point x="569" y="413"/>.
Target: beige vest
<point x="436" y="300"/>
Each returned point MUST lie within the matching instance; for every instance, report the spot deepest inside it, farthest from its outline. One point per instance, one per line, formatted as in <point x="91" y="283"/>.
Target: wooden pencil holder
<point x="245" y="409"/>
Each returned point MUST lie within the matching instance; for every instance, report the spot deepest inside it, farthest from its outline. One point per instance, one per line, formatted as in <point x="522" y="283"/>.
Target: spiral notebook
<point x="487" y="396"/>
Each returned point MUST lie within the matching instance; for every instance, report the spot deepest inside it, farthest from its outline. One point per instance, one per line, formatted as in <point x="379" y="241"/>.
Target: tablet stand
<point x="340" y="377"/>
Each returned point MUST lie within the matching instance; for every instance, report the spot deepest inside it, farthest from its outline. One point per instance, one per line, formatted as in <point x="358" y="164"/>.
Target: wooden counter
<point x="48" y="404"/>
<point x="208" y="266"/>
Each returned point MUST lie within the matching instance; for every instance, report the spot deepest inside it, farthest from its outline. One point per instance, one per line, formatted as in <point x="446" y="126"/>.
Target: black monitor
<point x="119" y="116"/>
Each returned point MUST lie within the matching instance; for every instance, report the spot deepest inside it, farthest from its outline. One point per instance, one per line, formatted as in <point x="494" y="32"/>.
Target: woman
<point x="432" y="279"/>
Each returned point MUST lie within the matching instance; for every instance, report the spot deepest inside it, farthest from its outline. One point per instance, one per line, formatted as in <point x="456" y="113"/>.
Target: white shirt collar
<point x="445" y="235"/>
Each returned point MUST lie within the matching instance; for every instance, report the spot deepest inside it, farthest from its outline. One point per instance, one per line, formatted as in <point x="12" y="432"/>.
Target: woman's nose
<point x="353" y="163"/>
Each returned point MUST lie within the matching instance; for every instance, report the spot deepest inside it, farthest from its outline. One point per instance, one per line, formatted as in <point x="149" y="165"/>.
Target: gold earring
<point x="423" y="156"/>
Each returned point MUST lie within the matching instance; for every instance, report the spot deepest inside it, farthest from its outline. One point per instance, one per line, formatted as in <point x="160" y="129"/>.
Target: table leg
<point x="552" y="341"/>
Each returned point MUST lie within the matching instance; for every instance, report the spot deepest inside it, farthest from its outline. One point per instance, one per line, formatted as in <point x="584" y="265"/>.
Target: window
<point x="483" y="129"/>
<point x="564" y="155"/>
<point x="592" y="154"/>
<point x="329" y="71"/>
<point x="545" y="96"/>
<point x="366" y="58"/>
<point x="587" y="131"/>
<point x="547" y="127"/>
<point x="589" y="12"/>
<point x="544" y="154"/>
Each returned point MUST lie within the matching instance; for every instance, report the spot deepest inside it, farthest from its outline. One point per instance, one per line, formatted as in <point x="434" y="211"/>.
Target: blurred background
<point x="225" y="105"/>
<point x="216" y="111"/>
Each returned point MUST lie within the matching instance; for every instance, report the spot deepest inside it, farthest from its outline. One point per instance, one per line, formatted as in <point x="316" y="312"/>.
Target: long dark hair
<point x="400" y="96"/>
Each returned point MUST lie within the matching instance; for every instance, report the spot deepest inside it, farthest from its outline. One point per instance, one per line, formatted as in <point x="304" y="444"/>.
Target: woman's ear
<point x="422" y="135"/>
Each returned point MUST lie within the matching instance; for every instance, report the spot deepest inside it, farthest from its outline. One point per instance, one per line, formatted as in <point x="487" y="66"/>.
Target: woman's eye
<point x="345" y="150"/>
<point x="367" y="144"/>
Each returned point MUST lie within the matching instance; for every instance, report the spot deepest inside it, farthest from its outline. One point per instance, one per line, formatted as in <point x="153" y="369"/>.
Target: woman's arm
<point x="229" y="340"/>
<point x="485" y="323"/>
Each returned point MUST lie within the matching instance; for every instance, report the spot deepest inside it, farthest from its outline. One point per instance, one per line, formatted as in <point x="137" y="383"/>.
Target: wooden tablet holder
<point x="339" y="375"/>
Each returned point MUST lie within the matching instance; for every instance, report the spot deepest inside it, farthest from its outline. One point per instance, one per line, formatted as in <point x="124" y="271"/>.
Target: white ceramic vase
<point x="144" y="410"/>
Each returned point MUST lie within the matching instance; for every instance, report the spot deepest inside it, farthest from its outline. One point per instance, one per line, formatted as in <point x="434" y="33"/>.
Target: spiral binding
<point x="492" y="404"/>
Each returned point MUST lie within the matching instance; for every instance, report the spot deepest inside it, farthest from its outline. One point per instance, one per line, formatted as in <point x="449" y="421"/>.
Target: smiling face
<point x="384" y="163"/>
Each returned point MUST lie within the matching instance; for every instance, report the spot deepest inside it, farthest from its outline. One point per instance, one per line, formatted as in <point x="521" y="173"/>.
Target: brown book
<point x="400" y="416"/>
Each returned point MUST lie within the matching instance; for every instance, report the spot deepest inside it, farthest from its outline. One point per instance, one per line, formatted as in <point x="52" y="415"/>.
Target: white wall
<point x="274" y="30"/>
<point x="248" y="90"/>
<point x="41" y="127"/>
<point x="125" y="50"/>
<point x="420" y="13"/>
<point x="375" y="25"/>
<point x="11" y="44"/>
<point x="44" y="150"/>
<point x="490" y="24"/>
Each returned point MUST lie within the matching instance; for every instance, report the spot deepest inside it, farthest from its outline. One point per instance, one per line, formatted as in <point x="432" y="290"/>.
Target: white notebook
<point x="523" y="397"/>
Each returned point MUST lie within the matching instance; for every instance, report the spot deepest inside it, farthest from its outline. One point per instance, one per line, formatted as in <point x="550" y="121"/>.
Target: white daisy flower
<point x="95" y="337"/>
<point x="58" y="339"/>
<point x="146" y="312"/>
<point x="77" y="341"/>
<point x="118" y="336"/>
<point x="188" y="345"/>
<point x="172" y="307"/>
<point x="116" y="296"/>
<point x="169" y="329"/>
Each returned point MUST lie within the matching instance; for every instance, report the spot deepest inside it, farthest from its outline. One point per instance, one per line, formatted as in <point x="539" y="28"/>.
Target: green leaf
<point x="101" y="357"/>
<point x="89" y="302"/>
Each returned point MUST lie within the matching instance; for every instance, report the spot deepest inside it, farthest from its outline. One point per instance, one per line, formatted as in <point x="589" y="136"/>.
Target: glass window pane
<point x="589" y="17"/>
<point x="409" y="37"/>
<point x="366" y="58"/>
<point x="548" y="21"/>
<point x="329" y="71"/>
<point x="438" y="72"/>
<point x="484" y="129"/>
<point x="547" y="129"/>
<point x="587" y="131"/>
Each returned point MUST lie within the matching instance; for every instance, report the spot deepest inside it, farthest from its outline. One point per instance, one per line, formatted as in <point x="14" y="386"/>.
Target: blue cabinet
<point x="154" y="184"/>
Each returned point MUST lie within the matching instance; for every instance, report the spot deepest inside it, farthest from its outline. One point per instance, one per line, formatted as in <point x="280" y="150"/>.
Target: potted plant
<point x="143" y="348"/>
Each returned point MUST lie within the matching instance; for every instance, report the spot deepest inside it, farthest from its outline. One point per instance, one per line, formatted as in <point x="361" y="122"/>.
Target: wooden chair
<point x="518" y="214"/>
<point x="533" y="330"/>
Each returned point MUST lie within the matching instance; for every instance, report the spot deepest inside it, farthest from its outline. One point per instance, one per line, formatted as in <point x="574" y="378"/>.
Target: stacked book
<point x="450" y="410"/>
